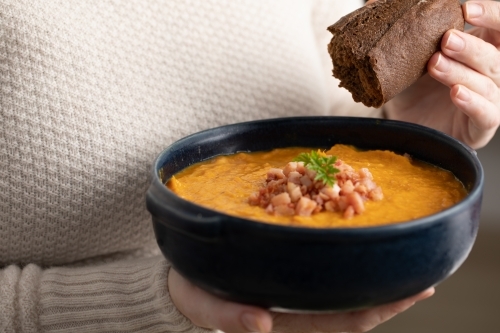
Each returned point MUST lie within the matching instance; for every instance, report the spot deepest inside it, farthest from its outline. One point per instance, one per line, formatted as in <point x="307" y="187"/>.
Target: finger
<point x="357" y="321"/>
<point x="365" y="321"/>
<point x="484" y="14"/>
<point x="208" y="311"/>
<point x="483" y="117"/>
<point x="450" y="73"/>
<point x="473" y="52"/>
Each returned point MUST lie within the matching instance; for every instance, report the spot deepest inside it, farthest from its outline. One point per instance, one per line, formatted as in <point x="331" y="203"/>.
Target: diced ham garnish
<point x="301" y="168"/>
<point x="365" y="173"/>
<point x="347" y="188"/>
<point x="305" y="207"/>
<point x="306" y="181"/>
<point x="275" y="173"/>
<point x="356" y="202"/>
<point x="295" y="194"/>
<point x="294" y="191"/>
<point x="376" y="194"/>
<point x="310" y="173"/>
<point x="281" y="199"/>
<point x="254" y="199"/>
<point x="331" y="206"/>
<point x="284" y="210"/>
<point x="349" y="212"/>
<point x="294" y="177"/>
<point x="292" y="166"/>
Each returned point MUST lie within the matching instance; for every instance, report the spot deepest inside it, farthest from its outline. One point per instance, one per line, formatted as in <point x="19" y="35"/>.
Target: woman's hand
<point x="208" y="311"/>
<point x="460" y="95"/>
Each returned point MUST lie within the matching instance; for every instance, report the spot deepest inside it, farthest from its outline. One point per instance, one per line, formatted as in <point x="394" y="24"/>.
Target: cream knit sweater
<point x="90" y="92"/>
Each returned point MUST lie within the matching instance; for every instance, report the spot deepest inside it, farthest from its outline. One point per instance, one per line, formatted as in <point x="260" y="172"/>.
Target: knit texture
<point x="90" y="92"/>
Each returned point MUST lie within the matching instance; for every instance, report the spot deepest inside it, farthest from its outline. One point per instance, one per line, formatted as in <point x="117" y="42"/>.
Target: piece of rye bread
<point x="382" y="48"/>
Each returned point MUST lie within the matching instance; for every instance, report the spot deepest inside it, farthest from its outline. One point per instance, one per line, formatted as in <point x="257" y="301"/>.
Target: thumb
<point x="208" y="311"/>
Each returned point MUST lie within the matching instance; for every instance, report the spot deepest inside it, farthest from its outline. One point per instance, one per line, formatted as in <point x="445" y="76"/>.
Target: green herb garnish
<point x="323" y="165"/>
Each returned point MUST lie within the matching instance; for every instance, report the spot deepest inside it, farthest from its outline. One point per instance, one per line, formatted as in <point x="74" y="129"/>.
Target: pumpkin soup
<point x="315" y="182"/>
<point x="395" y="187"/>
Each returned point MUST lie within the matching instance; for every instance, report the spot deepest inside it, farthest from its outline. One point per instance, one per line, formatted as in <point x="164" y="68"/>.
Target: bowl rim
<point x="385" y="229"/>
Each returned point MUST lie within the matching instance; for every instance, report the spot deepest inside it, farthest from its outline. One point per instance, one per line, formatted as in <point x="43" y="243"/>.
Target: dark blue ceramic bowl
<point x="306" y="269"/>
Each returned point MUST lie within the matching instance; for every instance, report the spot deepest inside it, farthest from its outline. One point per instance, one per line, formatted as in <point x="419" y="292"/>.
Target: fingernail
<point x="251" y="323"/>
<point x="442" y="64"/>
<point x="463" y="94"/>
<point x="426" y="294"/>
<point x="455" y="43"/>
<point x="473" y="10"/>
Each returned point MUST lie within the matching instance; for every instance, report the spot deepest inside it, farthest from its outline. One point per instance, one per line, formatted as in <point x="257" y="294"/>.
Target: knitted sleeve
<point x="124" y="296"/>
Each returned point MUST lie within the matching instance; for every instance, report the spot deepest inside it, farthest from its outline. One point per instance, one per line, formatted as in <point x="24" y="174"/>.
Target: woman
<point x="91" y="91"/>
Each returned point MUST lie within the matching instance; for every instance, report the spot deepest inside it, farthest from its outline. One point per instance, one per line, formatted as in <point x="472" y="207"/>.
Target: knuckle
<point x="494" y="67"/>
<point x="493" y="123"/>
<point x="460" y="76"/>
<point x="490" y="90"/>
<point x="475" y="47"/>
<point x="494" y="9"/>
<point x="491" y="11"/>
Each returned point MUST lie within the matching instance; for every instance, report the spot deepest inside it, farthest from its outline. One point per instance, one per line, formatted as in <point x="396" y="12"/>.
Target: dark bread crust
<point x="382" y="48"/>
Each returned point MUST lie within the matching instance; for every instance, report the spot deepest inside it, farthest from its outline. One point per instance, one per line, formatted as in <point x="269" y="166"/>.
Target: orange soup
<point x="411" y="188"/>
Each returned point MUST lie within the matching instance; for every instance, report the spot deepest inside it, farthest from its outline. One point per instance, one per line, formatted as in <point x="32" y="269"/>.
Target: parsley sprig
<point x="322" y="164"/>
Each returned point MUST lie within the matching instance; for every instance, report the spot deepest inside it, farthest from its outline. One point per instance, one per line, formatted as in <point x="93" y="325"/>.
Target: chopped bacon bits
<point x="293" y="191"/>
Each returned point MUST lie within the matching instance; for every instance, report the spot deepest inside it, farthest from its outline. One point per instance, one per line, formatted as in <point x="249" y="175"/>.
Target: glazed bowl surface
<point x="302" y="269"/>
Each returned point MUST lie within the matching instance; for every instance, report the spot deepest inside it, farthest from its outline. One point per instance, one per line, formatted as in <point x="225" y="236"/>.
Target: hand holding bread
<point x="458" y="89"/>
<point x="460" y="95"/>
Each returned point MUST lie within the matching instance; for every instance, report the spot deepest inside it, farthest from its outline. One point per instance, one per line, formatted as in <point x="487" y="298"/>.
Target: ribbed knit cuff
<point x="19" y="299"/>
<point x="9" y="278"/>
<point x="128" y="296"/>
